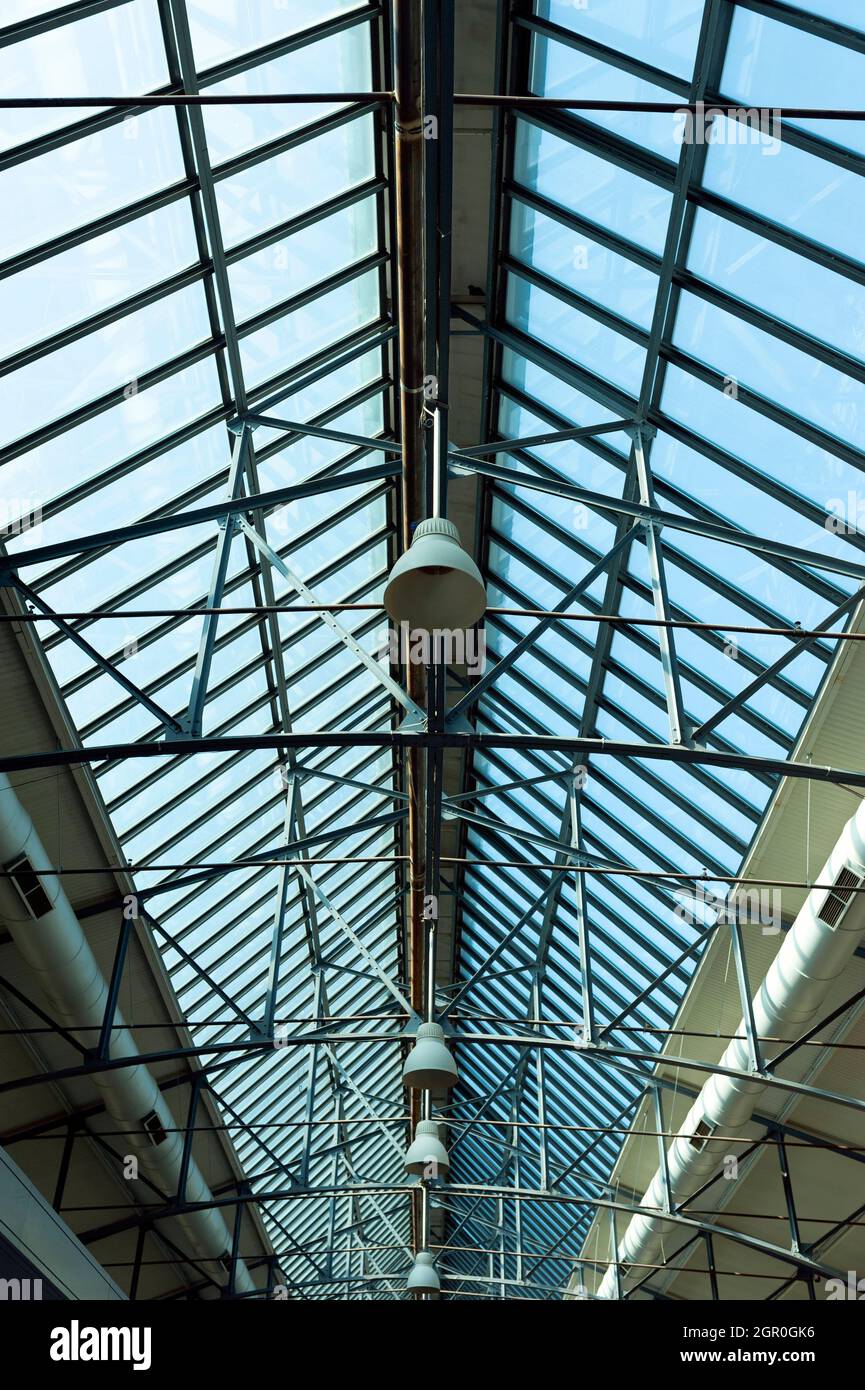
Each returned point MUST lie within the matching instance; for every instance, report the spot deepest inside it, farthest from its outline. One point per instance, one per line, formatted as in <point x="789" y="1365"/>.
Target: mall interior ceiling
<point x="432" y="852"/>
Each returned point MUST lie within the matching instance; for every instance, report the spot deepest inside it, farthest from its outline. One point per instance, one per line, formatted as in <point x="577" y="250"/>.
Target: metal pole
<point x="409" y="189"/>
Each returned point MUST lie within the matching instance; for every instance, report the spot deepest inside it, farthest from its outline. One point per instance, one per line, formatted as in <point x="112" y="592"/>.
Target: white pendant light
<point x="435" y="584"/>
<point x="427" y="1155"/>
<point x="423" y="1275"/>
<point x="430" y="1065"/>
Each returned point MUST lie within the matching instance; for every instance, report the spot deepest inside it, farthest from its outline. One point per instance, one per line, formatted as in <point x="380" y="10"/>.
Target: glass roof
<point x="750" y="382"/>
<point x="117" y="386"/>
<point x="169" y="271"/>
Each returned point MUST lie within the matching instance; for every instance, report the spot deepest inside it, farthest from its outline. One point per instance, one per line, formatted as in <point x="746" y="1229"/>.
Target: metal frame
<point x="342" y="931"/>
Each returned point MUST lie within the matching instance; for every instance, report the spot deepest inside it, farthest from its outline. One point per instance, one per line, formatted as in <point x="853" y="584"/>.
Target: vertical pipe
<point x="409" y="187"/>
<point x="439" y="465"/>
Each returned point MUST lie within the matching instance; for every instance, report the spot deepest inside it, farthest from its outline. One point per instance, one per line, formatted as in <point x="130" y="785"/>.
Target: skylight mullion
<point x="692" y="519"/>
<point x="239" y="675"/>
<point x="662" y="893"/>
<point x="761" y="482"/>
<point x="812" y="23"/>
<point x="636" y="635"/>
<point x="551" y="361"/>
<point x="617" y="150"/>
<point x="600" y="932"/>
<point x="338" y="203"/>
<point x="788" y="237"/>
<point x="595" y="692"/>
<point x="716" y="787"/>
<point x="166" y="845"/>
<point x="81" y="491"/>
<point x="617" y="886"/>
<point x="603" y="53"/>
<point x="293" y="139"/>
<point x="374" y="820"/>
<point x="104" y="317"/>
<point x="51" y="19"/>
<point x="606" y="703"/>
<point x="300" y="301"/>
<point x="163" y="372"/>
<point x="179" y="504"/>
<point x="643" y="807"/>
<point x="180" y="189"/>
<point x="228" y="724"/>
<point x="165" y="626"/>
<point x="763" y="405"/>
<point x="320" y="364"/>
<point x="676" y="429"/>
<point x="318" y="484"/>
<point x="567" y="217"/>
<point x="120" y="217"/>
<point x="676" y="834"/>
<point x="361" y="712"/>
<point x="381" y="918"/>
<point x="806" y="141"/>
<point x="91" y="125"/>
<point x="514" y="266"/>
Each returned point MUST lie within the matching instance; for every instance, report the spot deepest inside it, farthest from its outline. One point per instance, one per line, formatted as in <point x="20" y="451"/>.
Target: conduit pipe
<point x="816" y="950"/>
<point x="48" y="934"/>
<point x="410" y="262"/>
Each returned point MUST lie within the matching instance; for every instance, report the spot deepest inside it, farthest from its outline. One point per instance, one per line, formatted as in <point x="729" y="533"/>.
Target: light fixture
<point x="427" y="1152"/>
<point x="423" y="1275"/>
<point x="435" y="584"/>
<point x="430" y="1065"/>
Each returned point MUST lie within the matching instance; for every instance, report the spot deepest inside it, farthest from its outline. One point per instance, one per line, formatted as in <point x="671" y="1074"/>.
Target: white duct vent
<point x="839" y="898"/>
<point x="28" y="886"/>
<point x="154" y="1129"/>
<point x="57" y="949"/>
<point x="812" y="956"/>
<point x="701" y="1136"/>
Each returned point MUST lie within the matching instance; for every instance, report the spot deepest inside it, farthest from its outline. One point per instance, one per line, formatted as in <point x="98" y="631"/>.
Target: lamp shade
<point x="435" y="584"/>
<point x="427" y="1152"/>
<point x="423" y="1275"/>
<point x="430" y="1065"/>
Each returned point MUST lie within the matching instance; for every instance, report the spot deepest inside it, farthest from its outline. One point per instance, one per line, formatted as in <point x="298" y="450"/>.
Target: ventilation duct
<point x="815" y="951"/>
<point x="35" y="909"/>
<point x="837" y="901"/>
<point x="28" y="886"/>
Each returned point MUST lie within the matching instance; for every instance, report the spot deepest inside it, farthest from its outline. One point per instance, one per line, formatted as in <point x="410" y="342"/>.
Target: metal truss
<point x="300" y="780"/>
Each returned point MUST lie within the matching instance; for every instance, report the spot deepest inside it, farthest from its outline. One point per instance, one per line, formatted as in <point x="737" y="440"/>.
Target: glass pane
<point x="663" y="35"/>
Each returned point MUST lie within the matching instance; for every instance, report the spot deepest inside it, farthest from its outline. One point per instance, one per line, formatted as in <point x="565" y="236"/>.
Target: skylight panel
<point x="623" y="202"/>
<point x="118" y="52"/>
<point x="819" y="200"/>
<point x="63" y="190"/>
<point x="222" y="31"/>
<point x="583" y="265"/>
<point x="769" y="64"/>
<point x="665" y="36"/>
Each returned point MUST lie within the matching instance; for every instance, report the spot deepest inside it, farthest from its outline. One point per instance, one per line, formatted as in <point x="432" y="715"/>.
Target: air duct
<point x="814" y="953"/>
<point x="36" y="911"/>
